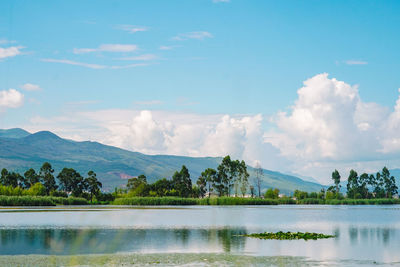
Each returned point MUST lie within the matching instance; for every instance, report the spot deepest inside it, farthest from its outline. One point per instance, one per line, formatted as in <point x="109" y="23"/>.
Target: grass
<point x="25" y="201"/>
<point x="290" y="235"/>
<point x="40" y="201"/>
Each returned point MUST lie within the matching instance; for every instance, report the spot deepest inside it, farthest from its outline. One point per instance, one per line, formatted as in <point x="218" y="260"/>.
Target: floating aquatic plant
<point x="290" y="235"/>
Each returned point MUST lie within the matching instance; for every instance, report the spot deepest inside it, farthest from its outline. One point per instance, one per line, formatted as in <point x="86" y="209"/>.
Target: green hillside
<point x="114" y="165"/>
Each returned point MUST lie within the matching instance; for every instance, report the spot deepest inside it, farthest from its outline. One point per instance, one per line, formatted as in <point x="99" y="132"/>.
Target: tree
<point x="12" y="179"/>
<point x="93" y="185"/>
<point x="182" y="183"/>
<point x="272" y="193"/>
<point x="134" y="182"/>
<point x="210" y="177"/>
<point x="228" y="175"/>
<point x="3" y="178"/>
<point x="336" y="180"/>
<point x="252" y="191"/>
<point x="243" y="177"/>
<point x="363" y="185"/>
<point x="46" y="174"/>
<point x="201" y="186"/>
<point x="352" y="185"/>
<point x="31" y="178"/>
<point x="379" y="190"/>
<point x="71" y="181"/>
<point x="258" y="177"/>
<point x="161" y="187"/>
<point x="389" y="183"/>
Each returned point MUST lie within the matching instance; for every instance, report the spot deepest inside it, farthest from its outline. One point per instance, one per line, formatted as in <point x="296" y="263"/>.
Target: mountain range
<point x="20" y="150"/>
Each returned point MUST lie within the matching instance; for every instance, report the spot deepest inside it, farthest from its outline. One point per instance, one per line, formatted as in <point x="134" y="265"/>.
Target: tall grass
<point x="40" y="201"/>
<point x="26" y="201"/>
<point x="223" y="201"/>
<point x="153" y="201"/>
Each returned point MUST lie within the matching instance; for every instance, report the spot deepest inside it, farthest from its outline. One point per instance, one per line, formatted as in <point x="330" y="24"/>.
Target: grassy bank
<point x="226" y="201"/>
<point x="347" y="201"/>
<point x="216" y="201"/>
<point x="40" y="201"/>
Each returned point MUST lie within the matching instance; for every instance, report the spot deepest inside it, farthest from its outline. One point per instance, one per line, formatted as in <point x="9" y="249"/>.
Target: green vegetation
<point x="290" y="235"/>
<point x="40" y="201"/>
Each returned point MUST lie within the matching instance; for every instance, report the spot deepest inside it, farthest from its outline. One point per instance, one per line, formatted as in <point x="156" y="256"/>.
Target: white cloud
<point x="93" y="66"/>
<point x="199" y="35"/>
<point x="133" y="28"/>
<point x="328" y="127"/>
<point x="11" y="98"/>
<point x="11" y="51"/>
<point x="30" y="87"/>
<point x="167" y="47"/>
<point x="71" y="62"/>
<point x="107" y="48"/>
<point x="356" y="62"/>
<point x="145" y="57"/>
<point x="221" y="1"/>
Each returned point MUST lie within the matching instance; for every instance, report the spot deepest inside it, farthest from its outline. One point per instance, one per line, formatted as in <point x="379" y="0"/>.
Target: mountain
<point x="13" y="133"/>
<point x="114" y="165"/>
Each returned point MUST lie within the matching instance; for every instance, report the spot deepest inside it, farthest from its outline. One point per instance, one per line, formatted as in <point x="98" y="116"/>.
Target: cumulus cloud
<point x="11" y="98"/>
<point x="11" y="51"/>
<point x="30" y="87"/>
<point x="199" y="35"/>
<point x="107" y="48"/>
<point x="328" y="127"/>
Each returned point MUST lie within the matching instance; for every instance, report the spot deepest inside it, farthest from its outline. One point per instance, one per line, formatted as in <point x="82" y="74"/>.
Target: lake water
<point x="365" y="234"/>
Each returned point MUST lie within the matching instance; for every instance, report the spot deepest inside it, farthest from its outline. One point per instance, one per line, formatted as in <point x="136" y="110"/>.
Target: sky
<point x="301" y="87"/>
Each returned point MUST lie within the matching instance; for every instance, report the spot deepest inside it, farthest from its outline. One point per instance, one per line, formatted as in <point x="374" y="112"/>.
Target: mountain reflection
<point x="87" y="241"/>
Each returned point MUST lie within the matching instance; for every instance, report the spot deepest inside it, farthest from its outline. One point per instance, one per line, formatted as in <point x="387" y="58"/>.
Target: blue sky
<point x="202" y="59"/>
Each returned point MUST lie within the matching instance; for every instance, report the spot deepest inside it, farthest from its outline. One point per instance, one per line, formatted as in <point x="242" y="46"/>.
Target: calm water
<point x="363" y="232"/>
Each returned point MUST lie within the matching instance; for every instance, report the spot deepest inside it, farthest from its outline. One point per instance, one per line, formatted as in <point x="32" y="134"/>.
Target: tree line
<point x="380" y="185"/>
<point x="44" y="182"/>
<point x="230" y="177"/>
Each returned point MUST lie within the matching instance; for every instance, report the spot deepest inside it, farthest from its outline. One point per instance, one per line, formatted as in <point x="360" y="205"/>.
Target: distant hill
<point x="20" y="150"/>
<point x="13" y="133"/>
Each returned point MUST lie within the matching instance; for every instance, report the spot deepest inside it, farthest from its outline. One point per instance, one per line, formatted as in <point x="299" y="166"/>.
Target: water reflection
<point x="87" y="241"/>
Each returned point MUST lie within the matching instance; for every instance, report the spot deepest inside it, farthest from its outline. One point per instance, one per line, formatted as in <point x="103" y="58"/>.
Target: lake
<point x="365" y="234"/>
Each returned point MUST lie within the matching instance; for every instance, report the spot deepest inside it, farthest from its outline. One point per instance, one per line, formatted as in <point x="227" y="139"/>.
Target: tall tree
<point x="202" y="186"/>
<point x="352" y="184"/>
<point x="46" y="175"/>
<point x="210" y="177"/>
<point x="389" y="183"/>
<point x="71" y="181"/>
<point x="93" y="185"/>
<point x="3" y="178"/>
<point x="135" y="182"/>
<point x="243" y="177"/>
<point x="363" y="183"/>
<point x="31" y="178"/>
<point x="336" y="180"/>
<point x="259" y="173"/>
<point x="182" y="183"/>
